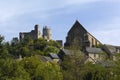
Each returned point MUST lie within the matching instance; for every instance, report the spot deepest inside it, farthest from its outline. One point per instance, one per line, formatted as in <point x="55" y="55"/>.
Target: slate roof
<point x="110" y="48"/>
<point x="64" y="52"/>
<point x="77" y="25"/>
<point x="94" y="50"/>
<point x="70" y="52"/>
<point x="47" y="58"/>
<point x="44" y="58"/>
<point x="54" y="56"/>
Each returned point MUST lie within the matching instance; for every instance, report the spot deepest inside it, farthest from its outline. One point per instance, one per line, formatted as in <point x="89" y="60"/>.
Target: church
<point x="80" y="36"/>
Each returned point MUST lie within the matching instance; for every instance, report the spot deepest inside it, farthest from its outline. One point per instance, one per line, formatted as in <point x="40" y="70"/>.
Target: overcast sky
<point x="100" y="17"/>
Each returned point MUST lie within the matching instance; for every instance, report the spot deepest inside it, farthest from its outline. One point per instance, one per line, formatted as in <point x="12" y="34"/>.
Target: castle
<point x="36" y="34"/>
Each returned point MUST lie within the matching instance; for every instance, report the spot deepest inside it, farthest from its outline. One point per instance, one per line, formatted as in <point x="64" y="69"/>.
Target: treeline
<point x="28" y="47"/>
<point x="31" y="67"/>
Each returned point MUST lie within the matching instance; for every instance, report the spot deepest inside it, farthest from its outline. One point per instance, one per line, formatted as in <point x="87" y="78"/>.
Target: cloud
<point x="108" y="33"/>
<point x="81" y="1"/>
<point x="101" y="17"/>
<point x="14" y="8"/>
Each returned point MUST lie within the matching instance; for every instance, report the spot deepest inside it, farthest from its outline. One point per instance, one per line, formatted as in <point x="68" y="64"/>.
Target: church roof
<point x="77" y="25"/>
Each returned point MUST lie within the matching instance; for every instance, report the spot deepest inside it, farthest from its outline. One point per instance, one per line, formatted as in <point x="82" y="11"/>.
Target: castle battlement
<point x="36" y="34"/>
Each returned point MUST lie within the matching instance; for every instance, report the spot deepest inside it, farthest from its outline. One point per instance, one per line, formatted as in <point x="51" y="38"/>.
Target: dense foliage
<point x="28" y="47"/>
<point x="31" y="67"/>
<point x="73" y="68"/>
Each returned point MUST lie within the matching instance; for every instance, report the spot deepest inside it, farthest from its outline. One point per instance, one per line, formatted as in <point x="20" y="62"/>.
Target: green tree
<point x="40" y="44"/>
<point x="53" y="43"/>
<point x="11" y="70"/>
<point x="51" y="49"/>
<point x="72" y="65"/>
<point x="4" y="53"/>
<point x="49" y="71"/>
<point x="25" y="52"/>
<point x="14" y="41"/>
<point x="1" y="39"/>
<point x="39" y="70"/>
<point x="26" y="41"/>
<point x="45" y="46"/>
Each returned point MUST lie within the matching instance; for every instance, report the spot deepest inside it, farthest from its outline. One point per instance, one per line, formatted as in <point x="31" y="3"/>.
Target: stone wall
<point x="33" y="34"/>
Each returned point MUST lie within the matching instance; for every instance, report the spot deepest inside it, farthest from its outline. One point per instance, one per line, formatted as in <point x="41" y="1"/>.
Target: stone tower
<point x="47" y="34"/>
<point x="37" y="31"/>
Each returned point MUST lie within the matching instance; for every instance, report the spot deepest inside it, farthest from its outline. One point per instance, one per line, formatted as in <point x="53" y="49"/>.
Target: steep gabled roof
<point x="77" y="25"/>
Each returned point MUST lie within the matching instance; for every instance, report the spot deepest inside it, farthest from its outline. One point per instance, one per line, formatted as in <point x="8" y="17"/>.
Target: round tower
<point x="47" y="33"/>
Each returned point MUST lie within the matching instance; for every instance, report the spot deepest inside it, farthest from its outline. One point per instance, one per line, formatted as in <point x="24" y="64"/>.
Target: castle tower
<point x="21" y="36"/>
<point x="47" y="34"/>
<point x="38" y="34"/>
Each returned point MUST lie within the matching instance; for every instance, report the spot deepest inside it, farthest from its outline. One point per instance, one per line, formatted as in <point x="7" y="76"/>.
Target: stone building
<point x="111" y="50"/>
<point x="95" y="55"/>
<point x="47" y="34"/>
<point x="36" y="34"/>
<point x="79" y="36"/>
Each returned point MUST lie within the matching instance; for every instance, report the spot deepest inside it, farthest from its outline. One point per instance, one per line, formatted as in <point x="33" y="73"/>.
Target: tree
<point x="14" y="41"/>
<point x="26" y="41"/>
<point x="1" y="39"/>
<point x="72" y="65"/>
<point x="40" y="44"/>
<point x="4" y="53"/>
<point x="53" y="43"/>
<point x="51" y="49"/>
<point x="25" y="52"/>
<point x="46" y="46"/>
<point x="39" y="70"/>
<point x="11" y="70"/>
<point x="49" y="71"/>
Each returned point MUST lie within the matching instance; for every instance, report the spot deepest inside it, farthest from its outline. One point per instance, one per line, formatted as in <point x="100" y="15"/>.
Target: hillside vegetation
<point x="33" y="68"/>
